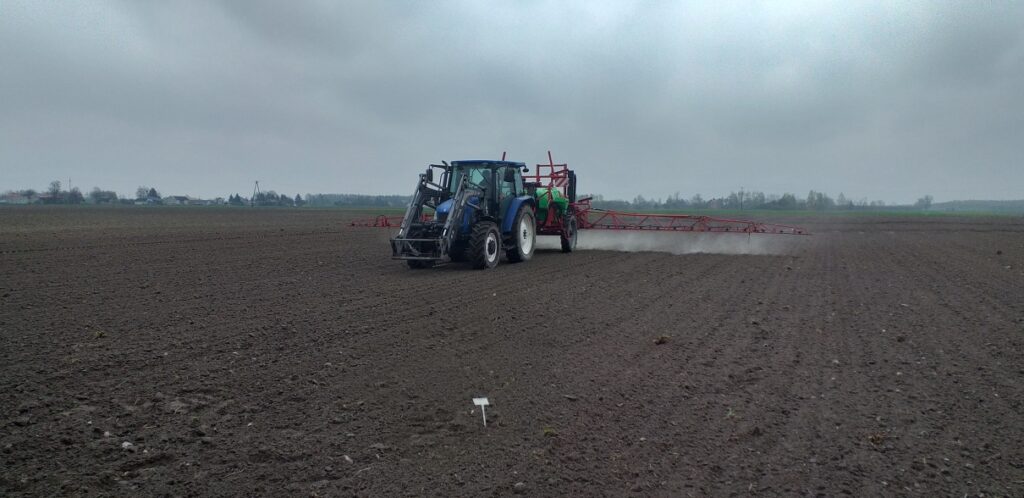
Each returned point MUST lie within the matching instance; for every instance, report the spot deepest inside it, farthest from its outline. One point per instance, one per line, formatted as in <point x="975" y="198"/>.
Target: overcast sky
<point x="886" y="100"/>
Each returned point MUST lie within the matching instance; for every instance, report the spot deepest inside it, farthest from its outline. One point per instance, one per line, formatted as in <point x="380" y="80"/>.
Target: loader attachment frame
<point x="427" y="240"/>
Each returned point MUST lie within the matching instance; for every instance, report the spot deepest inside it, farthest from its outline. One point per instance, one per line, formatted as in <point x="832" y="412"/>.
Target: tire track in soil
<point x="979" y="331"/>
<point x="431" y="365"/>
<point x="725" y="391"/>
<point x="419" y="423"/>
<point x="805" y="450"/>
<point x="878" y="425"/>
<point x="631" y="337"/>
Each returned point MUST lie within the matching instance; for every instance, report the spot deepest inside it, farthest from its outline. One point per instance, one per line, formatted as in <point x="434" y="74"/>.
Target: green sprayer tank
<point x="546" y="196"/>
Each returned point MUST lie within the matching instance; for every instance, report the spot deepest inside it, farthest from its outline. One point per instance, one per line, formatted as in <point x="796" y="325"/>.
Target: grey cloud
<point x="872" y="99"/>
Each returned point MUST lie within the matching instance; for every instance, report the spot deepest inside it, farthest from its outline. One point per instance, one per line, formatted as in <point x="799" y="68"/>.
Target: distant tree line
<point x="55" y="194"/>
<point x="148" y="195"/>
<point x="357" y="200"/>
<point x="1006" y="207"/>
<point x="268" y="198"/>
<point x="742" y="200"/>
<point x="814" y="201"/>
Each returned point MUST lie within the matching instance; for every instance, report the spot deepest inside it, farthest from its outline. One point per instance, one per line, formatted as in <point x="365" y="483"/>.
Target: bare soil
<point x="280" y="352"/>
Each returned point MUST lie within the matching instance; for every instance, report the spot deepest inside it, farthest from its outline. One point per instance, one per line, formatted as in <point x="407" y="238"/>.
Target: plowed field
<point x="279" y="352"/>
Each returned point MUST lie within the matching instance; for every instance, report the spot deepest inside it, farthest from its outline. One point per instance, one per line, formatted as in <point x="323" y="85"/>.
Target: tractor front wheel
<point x="524" y="236"/>
<point x="457" y="252"/>
<point x="484" y="245"/>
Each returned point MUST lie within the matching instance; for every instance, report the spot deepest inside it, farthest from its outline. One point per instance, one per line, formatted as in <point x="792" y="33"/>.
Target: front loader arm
<point x="415" y="208"/>
<point x="454" y="221"/>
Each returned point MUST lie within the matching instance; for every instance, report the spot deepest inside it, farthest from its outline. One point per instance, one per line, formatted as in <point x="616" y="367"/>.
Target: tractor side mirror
<point x="510" y="175"/>
<point x="430" y="174"/>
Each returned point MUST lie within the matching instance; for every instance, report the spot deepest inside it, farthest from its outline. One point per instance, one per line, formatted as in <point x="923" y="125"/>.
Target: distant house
<point x="176" y="200"/>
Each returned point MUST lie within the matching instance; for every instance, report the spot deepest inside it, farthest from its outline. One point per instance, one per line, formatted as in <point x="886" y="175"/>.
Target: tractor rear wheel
<point x="572" y="233"/>
<point x="484" y="245"/>
<point x="524" y="236"/>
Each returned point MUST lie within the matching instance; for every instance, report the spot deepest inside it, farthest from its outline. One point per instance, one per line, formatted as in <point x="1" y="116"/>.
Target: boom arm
<point x="603" y="219"/>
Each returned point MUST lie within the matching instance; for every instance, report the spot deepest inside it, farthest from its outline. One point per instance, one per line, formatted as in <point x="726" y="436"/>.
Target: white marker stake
<point x="482" y="402"/>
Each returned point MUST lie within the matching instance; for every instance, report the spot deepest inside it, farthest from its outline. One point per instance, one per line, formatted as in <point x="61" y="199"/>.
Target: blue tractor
<point x="480" y="210"/>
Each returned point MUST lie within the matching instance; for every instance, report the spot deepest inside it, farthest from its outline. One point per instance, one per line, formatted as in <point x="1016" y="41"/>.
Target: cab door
<point x="507" y="190"/>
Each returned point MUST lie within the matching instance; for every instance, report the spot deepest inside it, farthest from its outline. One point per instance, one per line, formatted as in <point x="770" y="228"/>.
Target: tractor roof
<point x="488" y="162"/>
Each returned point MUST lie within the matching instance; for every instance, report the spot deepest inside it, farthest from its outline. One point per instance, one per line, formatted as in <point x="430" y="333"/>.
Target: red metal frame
<point x="550" y="176"/>
<point x="557" y="175"/>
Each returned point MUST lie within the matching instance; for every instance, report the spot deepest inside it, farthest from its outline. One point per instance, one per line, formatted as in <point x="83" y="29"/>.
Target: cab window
<point x="477" y="177"/>
<point x="506" y="189"/>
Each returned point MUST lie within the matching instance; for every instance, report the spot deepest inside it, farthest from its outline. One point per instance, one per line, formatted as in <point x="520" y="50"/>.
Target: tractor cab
<point x="498" y="182"/>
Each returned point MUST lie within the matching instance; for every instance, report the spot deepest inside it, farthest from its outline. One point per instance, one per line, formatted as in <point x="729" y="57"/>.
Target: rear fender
<point x="513" y="209"/>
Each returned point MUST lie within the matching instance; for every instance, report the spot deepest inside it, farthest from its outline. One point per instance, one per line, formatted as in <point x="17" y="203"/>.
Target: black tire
<point x="569" y="241"/>
<point x="484" y="245"/>
<point x="417" y="264"/>
<point x="524" y="236"/>
<point x="457" y="252"/>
